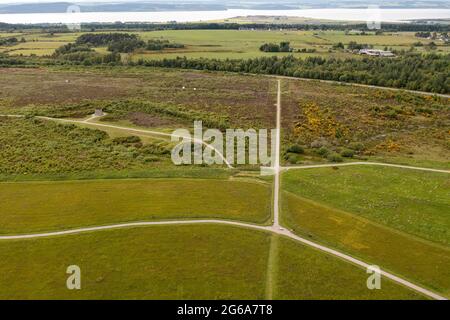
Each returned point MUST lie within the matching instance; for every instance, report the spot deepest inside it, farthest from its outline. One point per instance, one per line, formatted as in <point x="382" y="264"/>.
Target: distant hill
<point x="60" y="7"/>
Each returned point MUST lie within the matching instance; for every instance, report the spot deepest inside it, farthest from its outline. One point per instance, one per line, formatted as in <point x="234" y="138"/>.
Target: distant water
<point x="387" y="15"/>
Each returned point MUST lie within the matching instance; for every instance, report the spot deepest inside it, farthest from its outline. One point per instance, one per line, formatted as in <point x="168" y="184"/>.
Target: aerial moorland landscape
<point x="359" y="139"/>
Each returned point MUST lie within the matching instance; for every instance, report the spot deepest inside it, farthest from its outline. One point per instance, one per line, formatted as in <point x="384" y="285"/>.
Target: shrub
<point x="294" y="159"/>
<point x="347" y="153"/>
<point x="323" y="152"/>
<point x="335" y="157"/>
<point x="296" y="149"/>
<point x="154" y="45"/>
<point x="128" y="141"/>
<point x="357" y="146"/>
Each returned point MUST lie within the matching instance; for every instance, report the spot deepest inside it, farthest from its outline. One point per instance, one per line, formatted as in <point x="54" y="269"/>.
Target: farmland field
<point x="245" y="44"/>
<point x="332" y="214"/>
<point x="233" y="44"/>
<point x="179" y="262"/>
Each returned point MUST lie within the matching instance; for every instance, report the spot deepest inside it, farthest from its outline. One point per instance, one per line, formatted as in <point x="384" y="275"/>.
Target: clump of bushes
<point x="272" y="47"/>
<point x="293" y="158"/>
<point x="335" y="157"/>
<point x="293" y="153"/>
<point x="72" y="48"/>
<point x="83" y="54"/>
<point x="323" y="152"/>
<point x="296" y="149"/>
<point x="307" y="50"/>
<point x="124" y="42"/>
<point x="8" y="41"/>
<point x="34" y="146"/>
<point x="126" y="46"/>
<point x="357" y="146"/>
<point x="347" y="153"/>
<point x="104" y="39"/>
<point x="156" y="45"/>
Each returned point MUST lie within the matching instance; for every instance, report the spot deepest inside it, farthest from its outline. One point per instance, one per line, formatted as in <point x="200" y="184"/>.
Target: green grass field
<point x="306" y="274"/>
<point x="231" y="44"/>
<point x="412" y="257"/>
<point x="411" y="201"/>
<point x="179" y="262"/>
<point x="42" y="206"/>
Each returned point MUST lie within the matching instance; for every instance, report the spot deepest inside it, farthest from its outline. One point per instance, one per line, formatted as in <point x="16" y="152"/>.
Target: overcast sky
<point x="77" y="1"/>
<point x="161" y="1"/>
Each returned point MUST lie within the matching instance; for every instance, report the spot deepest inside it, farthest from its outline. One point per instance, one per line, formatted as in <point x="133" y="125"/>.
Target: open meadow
<point x="410" y="201"/>
<point x="181" y="262"/>
<point x="101" y="202"/>
<point x="392" y="217"/>
<point x="232" y="44"/>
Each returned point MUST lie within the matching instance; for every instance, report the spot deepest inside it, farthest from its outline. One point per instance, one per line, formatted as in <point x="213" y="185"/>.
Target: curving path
<point x="101" y="125"/>
<point x="156" y="133"/>
<point x="274" y="229"/>
<point x="362" y="164"/>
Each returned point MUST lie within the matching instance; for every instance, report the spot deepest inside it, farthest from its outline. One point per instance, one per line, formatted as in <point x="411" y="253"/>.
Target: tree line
<point x="123" y="42"/>
<point x="429" y="73"/>
<point x="86" y="27"/>
<point x="82" y="50"/>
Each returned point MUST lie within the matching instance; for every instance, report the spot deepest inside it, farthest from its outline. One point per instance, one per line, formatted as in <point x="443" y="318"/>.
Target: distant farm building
<point x="376" y="53"/>
<point x="99" y="113"/>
